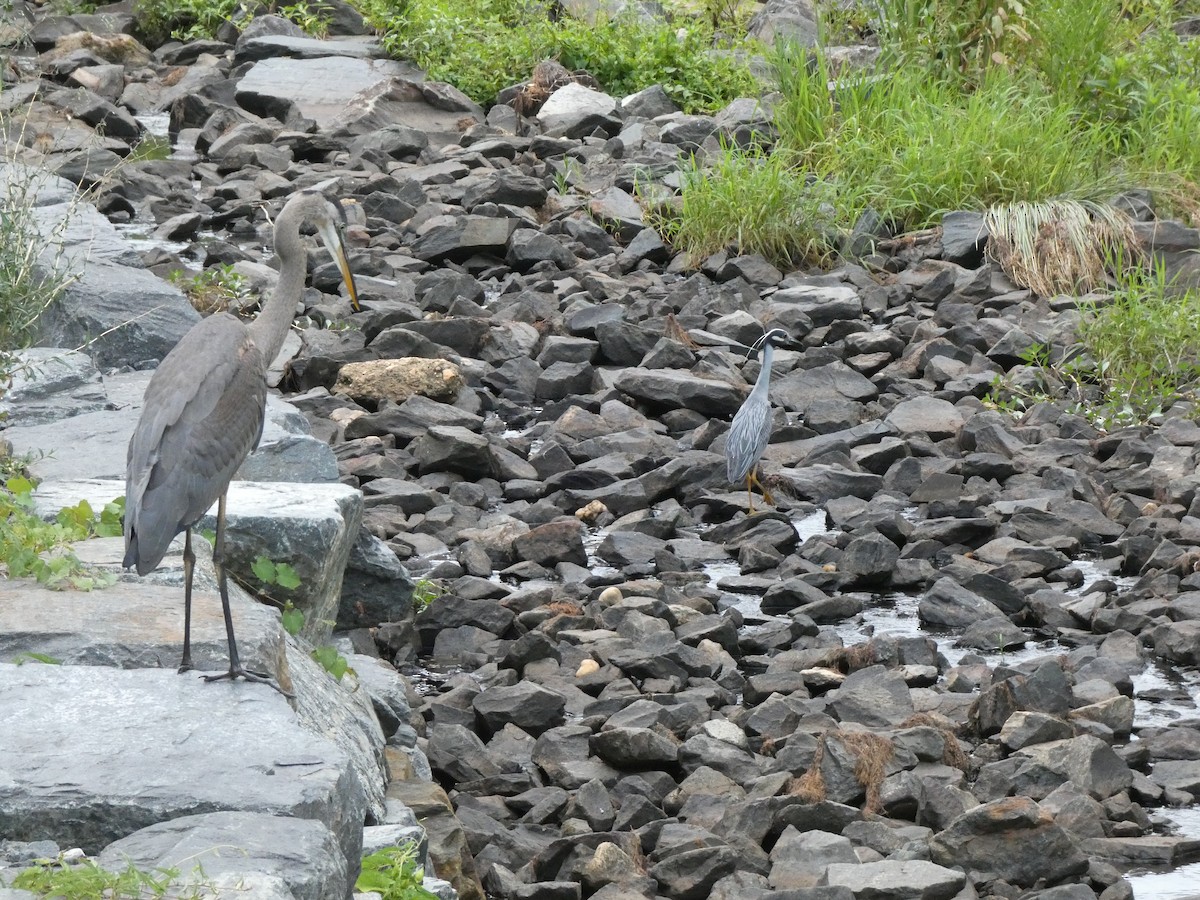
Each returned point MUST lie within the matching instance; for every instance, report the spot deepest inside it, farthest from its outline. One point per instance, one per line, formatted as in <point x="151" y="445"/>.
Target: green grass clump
<point x="29" y="281"/>
<point x="482" y="46"/>
<point x="912" y="147"/>
<point x="1142" y="347"/>
<point x="789" y="219"/>
<point x="187" y="20"/>
<point x="394" y="874"/>
<point x="84" y="880"/>
<point x="976" y="103"/>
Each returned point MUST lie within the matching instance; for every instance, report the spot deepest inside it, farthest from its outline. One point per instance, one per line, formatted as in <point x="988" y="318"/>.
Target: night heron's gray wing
<point x="203" y="414"/>
<point x="748" y="436"/>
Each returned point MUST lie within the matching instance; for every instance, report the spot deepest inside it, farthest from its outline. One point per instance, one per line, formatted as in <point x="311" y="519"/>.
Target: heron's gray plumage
<point x="204" y="409"/>
<point x="188" y="444"/>
<point x="750" y="431"/>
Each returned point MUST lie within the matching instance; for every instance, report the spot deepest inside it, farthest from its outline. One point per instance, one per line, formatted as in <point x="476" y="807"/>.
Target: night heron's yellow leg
<point x="750" y="491"/>
<point x="753" y="476"/>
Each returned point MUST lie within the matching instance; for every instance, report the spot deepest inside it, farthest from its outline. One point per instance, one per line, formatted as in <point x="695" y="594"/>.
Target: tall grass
<point x="980" y="103"/>
<point x="787" y="219"/>
<point x="33" y="270"/>
<point x="482" y="46"/>
<point x="1143" y="344"/>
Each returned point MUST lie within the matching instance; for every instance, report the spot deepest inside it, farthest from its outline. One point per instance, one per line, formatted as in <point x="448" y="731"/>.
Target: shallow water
<point x="1180" y="883"/>
<point x="1162" y="694"/>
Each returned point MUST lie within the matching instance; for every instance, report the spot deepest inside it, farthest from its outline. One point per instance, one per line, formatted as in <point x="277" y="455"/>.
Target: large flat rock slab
<point x="321" y="88"/>
<point x="348" y="95"/>
<point x="300" y="852"/>
<point x="101" y="753"/>
<point x="137" y="624"/>
<point x="312" y="527"/>
<point x="69" y="444"/>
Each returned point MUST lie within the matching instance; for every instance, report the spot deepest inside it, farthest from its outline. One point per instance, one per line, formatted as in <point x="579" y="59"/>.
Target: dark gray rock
<point x="462" y="237"/>
<point x="530" y="707"/>
<point x="895" y="879"/>
<point x="634" y="748"/>
<point x="949" y="604"/>
<point x="552" y="543"/>
<point x="874" y="696"/>
<point x="1012" y="838"/>
<point x="376" y="588"/>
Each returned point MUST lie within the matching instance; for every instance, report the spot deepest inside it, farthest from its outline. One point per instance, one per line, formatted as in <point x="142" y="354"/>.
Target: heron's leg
<point x="766" y="494"/>
<point x="189" y="566"/>
<point x="750" y="490"/>
<point x="235" y="664"/>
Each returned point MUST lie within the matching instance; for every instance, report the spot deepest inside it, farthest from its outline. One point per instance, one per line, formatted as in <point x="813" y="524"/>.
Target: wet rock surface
<point x="956" y="659"/>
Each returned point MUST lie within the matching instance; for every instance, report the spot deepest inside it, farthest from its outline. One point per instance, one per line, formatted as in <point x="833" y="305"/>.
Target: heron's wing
<point x="203" y="414"/>
<point x="748" y="436"/>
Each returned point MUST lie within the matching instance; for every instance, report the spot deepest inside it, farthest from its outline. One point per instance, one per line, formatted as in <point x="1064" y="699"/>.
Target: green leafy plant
<point x="33" y="548"/>
<point x="191" y="19"/>
<point x="960" y="38"/>
<point x="283" y="575"/>
<point x="331" y="661"/>
<point x="150" y="147"/>
<point x="425" y="592"/>
<point x="218" y="289"/>
<point x="270" y="572"/>
<point x="60" y="879"/>
<point x="292" y="619"/>
<point x="394" y="874"/>
<point x="313" y="19"/>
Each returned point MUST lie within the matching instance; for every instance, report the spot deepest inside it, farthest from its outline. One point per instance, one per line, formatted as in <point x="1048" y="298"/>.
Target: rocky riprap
<point x="534" y="403"/>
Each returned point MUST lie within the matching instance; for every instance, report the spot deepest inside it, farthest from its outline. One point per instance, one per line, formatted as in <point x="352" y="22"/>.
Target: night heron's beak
<point x="337" y="249"/>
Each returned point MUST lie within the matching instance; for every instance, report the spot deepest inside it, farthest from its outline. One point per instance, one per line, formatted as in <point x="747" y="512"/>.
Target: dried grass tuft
<point x="872" y="752"/>
<point x="952" y="751"/>
<point x="1059" y="246"/>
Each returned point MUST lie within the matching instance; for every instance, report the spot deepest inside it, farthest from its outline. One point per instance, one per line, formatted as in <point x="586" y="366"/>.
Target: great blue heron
<point x="203" y="414"/>
<point x="751" y="427"/>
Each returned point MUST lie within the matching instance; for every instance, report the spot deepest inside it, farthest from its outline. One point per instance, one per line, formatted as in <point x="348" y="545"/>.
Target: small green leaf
<point x="19" y="485"/>
<point x="264" y="569"/>
<point x="286" y="577"/>
<point x="332" y="661"/>
<point x="293" y="620"/>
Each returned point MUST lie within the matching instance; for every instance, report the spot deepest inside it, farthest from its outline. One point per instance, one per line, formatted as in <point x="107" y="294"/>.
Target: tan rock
<point x="448" y="851"/>
<point x="399" y="379"/>
<point x="113" y="48"/>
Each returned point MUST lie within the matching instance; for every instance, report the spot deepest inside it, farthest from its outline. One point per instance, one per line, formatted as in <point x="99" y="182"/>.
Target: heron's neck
<point x="270" y="328"/>
<point x="768" y="356"/>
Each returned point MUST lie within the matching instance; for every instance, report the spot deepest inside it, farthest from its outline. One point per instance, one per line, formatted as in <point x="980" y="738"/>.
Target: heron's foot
<point x="246" y="675"/>
<point x="184" y="667"/>
<point x="767" y="496"/>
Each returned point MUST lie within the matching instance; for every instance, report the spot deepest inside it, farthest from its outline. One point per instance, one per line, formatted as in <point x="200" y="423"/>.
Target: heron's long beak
<point x="337" y="249"/>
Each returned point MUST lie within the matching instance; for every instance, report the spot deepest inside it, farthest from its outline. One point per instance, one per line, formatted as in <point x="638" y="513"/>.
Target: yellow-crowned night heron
<point x="204" y="414"/>
<point x="751" y="428"/>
